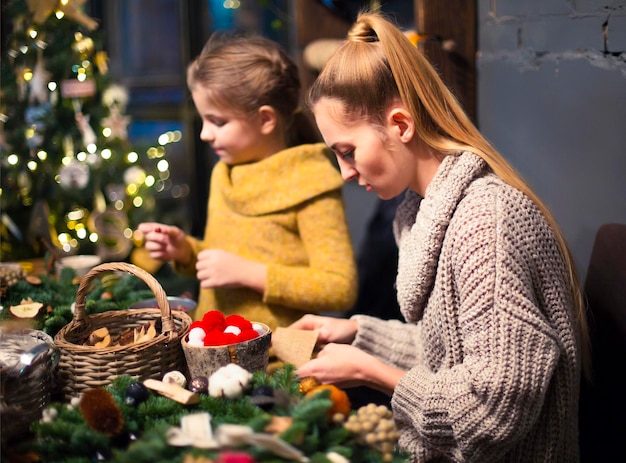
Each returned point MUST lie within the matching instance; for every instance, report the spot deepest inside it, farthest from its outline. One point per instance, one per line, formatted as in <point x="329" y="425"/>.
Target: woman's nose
<point x="348" y="172"/>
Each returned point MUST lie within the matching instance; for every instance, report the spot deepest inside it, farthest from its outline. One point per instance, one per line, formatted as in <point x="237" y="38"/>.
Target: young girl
<point x="276" y="243"/>
<point x="487" y="365"/>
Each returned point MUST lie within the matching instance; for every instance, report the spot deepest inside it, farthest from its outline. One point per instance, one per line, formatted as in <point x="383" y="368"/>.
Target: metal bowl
<point x="176" y="303"/>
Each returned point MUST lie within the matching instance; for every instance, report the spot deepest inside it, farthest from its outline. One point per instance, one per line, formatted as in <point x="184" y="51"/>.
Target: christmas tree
<point x="71" y="181"/>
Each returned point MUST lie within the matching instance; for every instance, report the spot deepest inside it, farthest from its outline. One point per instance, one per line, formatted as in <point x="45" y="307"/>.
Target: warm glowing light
<point x="163" y="139"/>
<point x="119" y="205"/>
<point x="81" y="77"/>
<point x="132" y="157"/>
<point x="106" y="131"/>
<point x="93" y="237"/>
<point x="77" y="214"/>
<point x="32" y="165"/>
<point x="231" y="4"/>
<point x="92" y="148"/>
<point x="63" y="238"/>
<point x="149" y="181"/>
<point x="106" y="153"/>
<point x="131" y="189"/>
<point x="59" y="14"/>
<point x="28" y="74"/>
<point x="81" y="233"/>
<point x="66" y="161"/>
<point x="82" y="156"/>
<point x="128" y="233"/>
<point x="32" y="33"/>
<point x="13" y="159"/>
<point x="163" y="165"/>
<point x="137" y="201"/>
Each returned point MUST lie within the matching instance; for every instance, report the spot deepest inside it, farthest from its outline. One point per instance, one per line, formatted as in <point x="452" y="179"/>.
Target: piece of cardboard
<point x="294" y="346"/>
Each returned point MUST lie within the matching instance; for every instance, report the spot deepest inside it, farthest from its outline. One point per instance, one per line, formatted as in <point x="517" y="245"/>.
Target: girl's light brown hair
<point x="378" y="65"/>
<point x="243" y="73"/>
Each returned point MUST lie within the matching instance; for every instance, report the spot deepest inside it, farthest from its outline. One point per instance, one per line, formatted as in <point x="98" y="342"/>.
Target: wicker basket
<point x="82" y="366"/>
<point x="28" y="360"/>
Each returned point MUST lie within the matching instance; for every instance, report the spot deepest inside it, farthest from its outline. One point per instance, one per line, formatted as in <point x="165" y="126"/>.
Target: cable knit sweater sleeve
<point x="331" y="273"/>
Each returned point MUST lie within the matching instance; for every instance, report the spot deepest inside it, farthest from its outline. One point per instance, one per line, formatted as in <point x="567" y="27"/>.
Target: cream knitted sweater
<point x="286" y="211"/>
<point x="490" y="345"/>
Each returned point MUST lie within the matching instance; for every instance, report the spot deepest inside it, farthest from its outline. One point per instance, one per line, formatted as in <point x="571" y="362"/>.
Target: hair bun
<point x="362" y="31"/>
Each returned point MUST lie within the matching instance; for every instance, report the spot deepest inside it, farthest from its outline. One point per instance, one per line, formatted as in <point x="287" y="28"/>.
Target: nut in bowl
<point x="219" y="346"/>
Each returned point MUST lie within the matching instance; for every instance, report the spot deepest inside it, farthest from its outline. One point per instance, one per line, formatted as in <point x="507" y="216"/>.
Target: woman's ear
<point x="268" y="119"/>
<point x="401" y="124"/>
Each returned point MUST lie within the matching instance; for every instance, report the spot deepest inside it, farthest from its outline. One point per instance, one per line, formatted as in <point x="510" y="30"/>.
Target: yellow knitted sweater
<point x="286" y="211"/>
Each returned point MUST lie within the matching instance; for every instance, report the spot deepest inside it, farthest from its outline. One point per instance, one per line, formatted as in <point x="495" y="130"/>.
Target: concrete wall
<point x="552" y="98"/>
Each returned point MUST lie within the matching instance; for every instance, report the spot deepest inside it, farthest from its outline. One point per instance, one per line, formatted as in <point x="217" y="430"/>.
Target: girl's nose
<point x="206" y="134"/>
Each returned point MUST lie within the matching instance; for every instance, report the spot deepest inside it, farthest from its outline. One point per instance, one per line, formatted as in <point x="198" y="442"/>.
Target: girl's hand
<point x="221" y="269"/>
<point x="165" y="242"/>
<point x="331" y="329"/>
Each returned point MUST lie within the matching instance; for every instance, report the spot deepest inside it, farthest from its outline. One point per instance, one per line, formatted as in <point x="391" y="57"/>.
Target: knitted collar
<point x="420" y="226"/>
<point x="281" y="181"/>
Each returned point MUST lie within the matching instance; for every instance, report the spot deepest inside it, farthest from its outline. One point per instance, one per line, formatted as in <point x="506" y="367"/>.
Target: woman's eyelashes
<point x="347" y="155"/>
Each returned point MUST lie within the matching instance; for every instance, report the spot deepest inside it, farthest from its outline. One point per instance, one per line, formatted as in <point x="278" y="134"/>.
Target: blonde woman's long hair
<point x="377" y="65"/>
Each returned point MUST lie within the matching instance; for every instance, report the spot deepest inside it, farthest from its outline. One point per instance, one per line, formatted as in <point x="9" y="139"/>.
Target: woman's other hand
<point x="331" y="329"/>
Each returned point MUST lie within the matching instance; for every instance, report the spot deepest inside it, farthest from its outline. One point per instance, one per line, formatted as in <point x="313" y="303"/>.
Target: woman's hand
<point x="347" y="366"/>
<point x="221" y="269"/>
<point x="331" y="329"/>
<point x="165" y="242"/>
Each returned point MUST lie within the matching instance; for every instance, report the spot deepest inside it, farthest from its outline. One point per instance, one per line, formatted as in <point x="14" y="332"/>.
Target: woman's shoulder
<point x="490" y="200"/>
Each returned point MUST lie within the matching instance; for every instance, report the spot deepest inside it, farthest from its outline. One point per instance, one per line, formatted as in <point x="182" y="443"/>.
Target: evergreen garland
<point x="69" y="438"/>
<point x="57" y="296"/>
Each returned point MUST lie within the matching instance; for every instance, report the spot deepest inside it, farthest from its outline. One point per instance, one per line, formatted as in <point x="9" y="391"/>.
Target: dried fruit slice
<point x="26" y="309"/>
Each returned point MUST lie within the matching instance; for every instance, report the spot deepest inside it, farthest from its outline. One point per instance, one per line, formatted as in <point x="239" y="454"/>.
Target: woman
<point x="487" y="366"/>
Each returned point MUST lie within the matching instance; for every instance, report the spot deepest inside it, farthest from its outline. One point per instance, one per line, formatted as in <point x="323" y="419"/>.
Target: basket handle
<point x="80" y="314"/>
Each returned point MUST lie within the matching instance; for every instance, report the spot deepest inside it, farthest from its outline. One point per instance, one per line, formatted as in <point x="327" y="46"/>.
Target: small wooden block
<point x="173" y="391"/>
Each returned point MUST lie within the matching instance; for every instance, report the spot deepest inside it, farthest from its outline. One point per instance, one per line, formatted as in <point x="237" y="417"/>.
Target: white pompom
<point x="196" y="336"/>
<point x="233" y="329"/>
<point x="258" y="328"/>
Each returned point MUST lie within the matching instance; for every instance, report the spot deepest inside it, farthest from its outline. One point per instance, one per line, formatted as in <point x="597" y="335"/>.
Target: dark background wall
<point x="552" y="98"/>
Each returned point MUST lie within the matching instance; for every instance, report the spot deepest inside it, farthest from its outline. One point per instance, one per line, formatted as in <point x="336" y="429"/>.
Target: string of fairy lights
<point x="94" y="148"/>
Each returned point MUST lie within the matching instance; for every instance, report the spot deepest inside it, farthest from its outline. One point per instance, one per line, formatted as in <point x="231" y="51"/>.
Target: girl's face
<point x="372" y="156"/>
<point x="235" y="137"/>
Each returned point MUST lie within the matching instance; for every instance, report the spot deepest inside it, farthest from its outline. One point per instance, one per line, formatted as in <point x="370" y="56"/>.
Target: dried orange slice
<point x="26" y="309"/>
